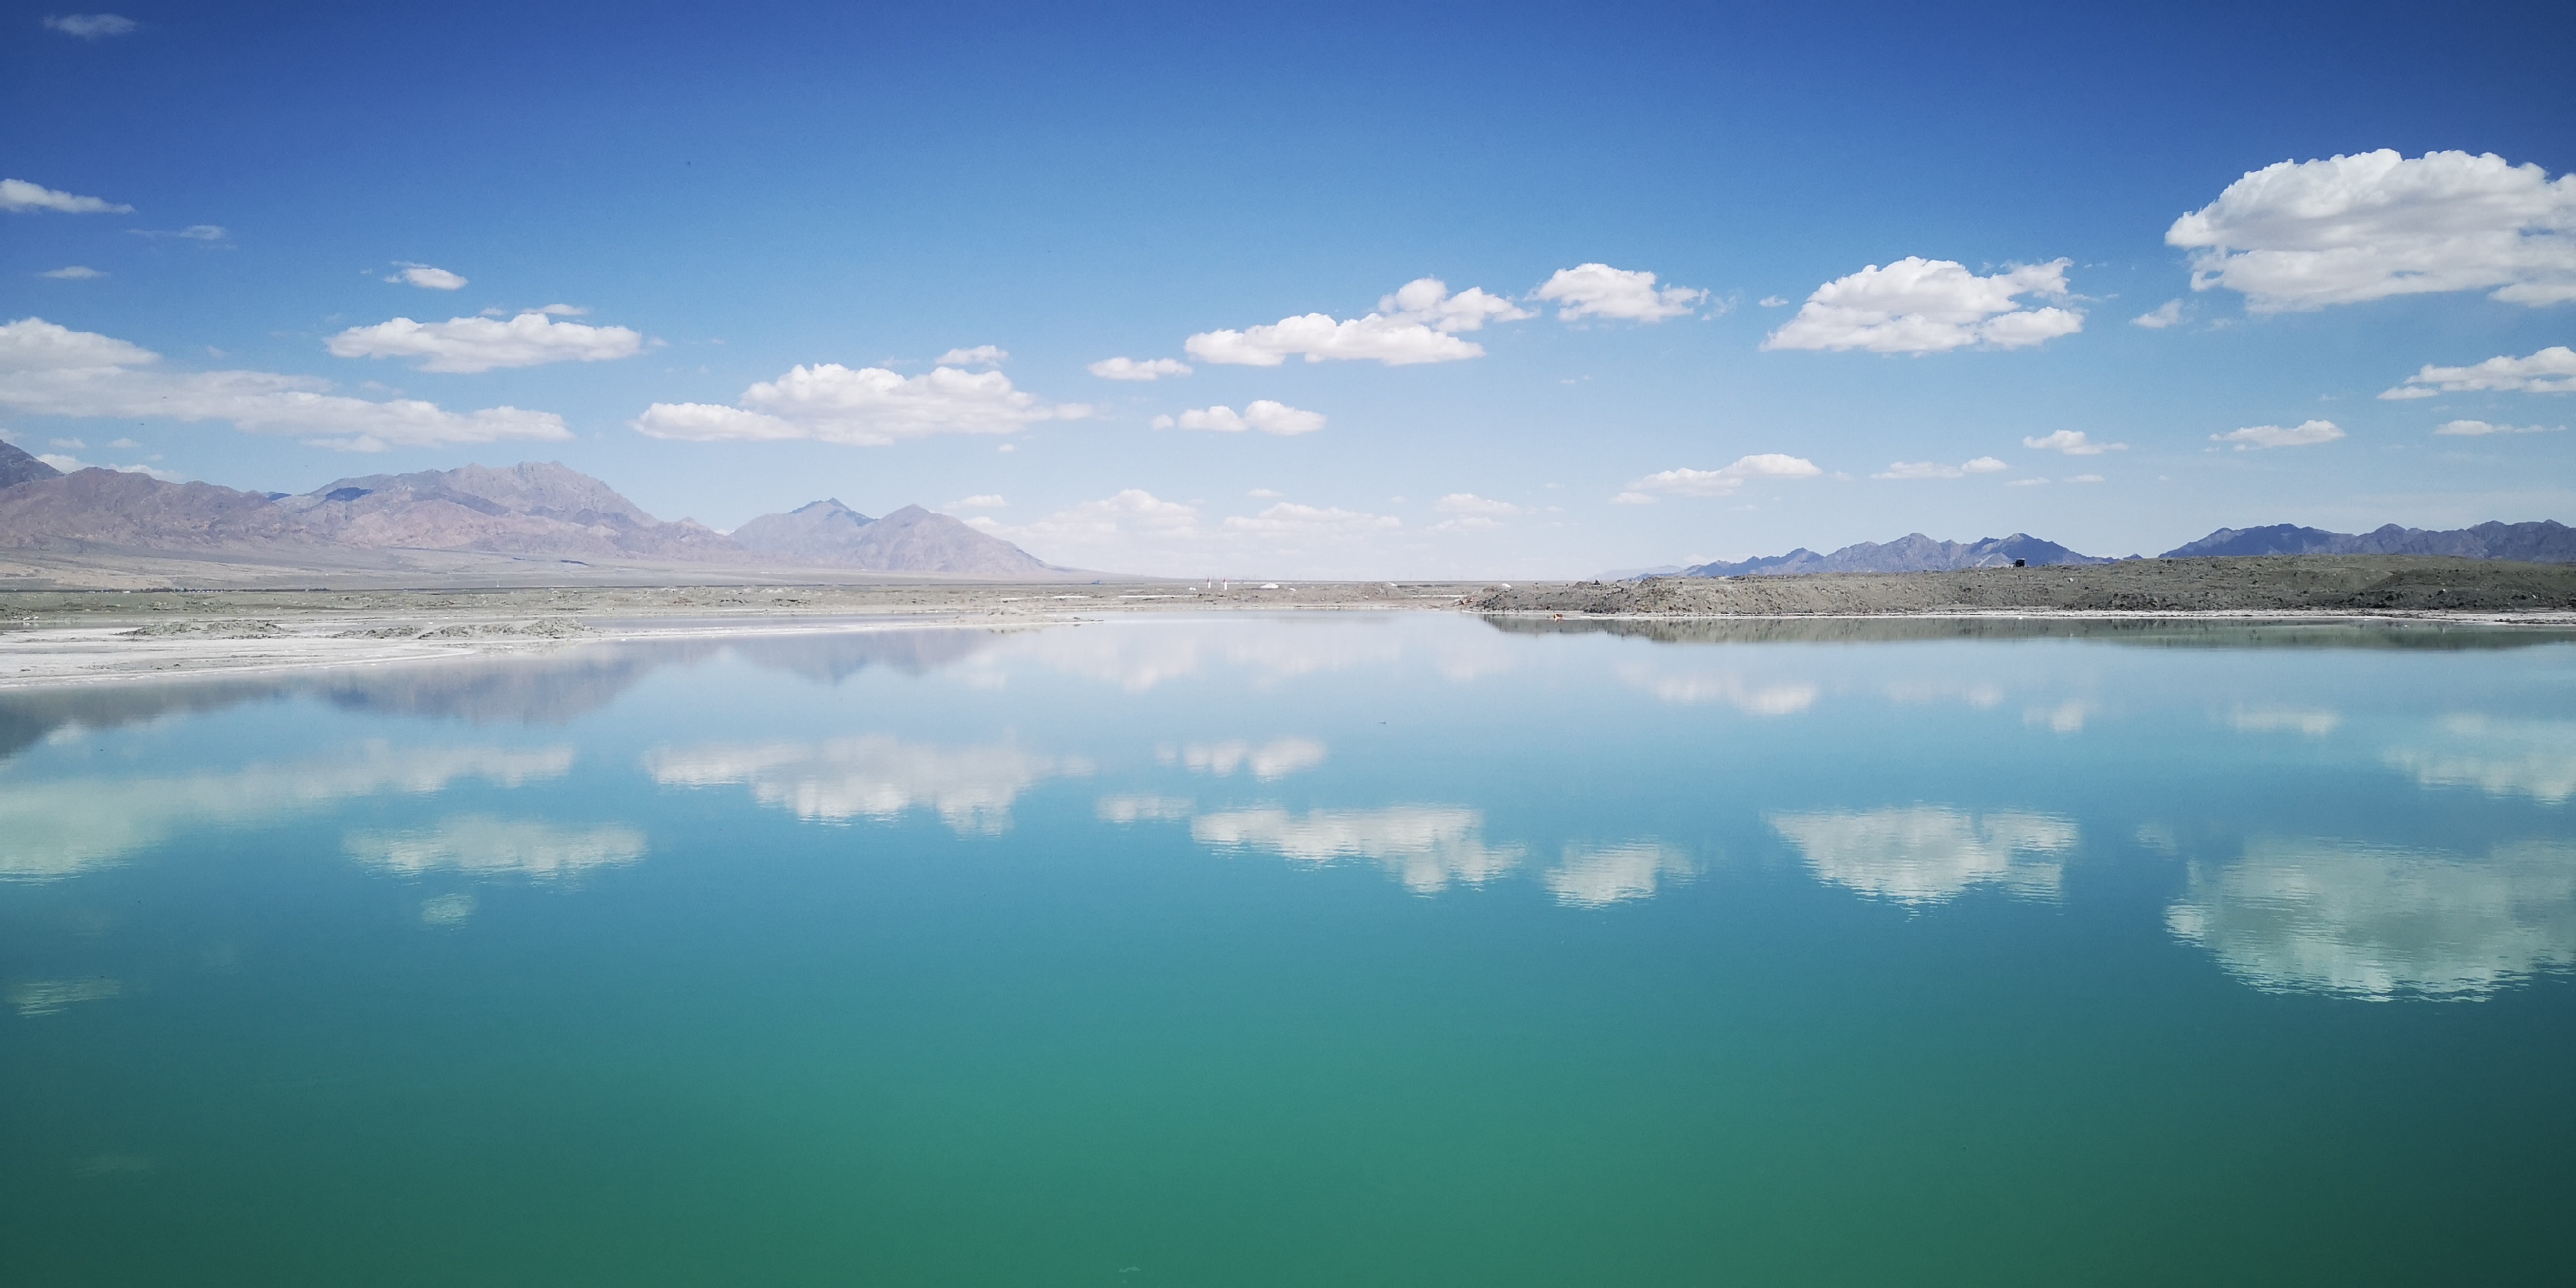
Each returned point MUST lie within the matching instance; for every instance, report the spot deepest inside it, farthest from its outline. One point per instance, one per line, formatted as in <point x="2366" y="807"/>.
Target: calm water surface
<point x="1354" y="949"/>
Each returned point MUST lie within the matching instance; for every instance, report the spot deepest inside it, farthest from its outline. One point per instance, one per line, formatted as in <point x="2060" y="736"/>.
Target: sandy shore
<point x="55" y="637"/>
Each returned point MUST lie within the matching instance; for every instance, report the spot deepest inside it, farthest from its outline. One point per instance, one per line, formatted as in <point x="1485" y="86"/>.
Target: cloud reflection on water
<point x="2311" y="722"/>
<point x="1597" y="876"/>
<point x="1140" y="808"/>
<point x="1425" y="846"/>
<point x="1753" y="697"/>
<point x="484" y="846"/>
<point x="1930" y="853"/>
<point x="2381" y="922"/>
<point x="874" y="775"/>
<point x="1277" y="758"/>
<point x="50" y="996"/>
<point x="51" y="829"/>
<point x="2535" y="758"/>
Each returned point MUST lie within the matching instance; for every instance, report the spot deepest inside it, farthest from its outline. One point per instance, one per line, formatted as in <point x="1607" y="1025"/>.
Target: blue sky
<point x="729" y="195"/>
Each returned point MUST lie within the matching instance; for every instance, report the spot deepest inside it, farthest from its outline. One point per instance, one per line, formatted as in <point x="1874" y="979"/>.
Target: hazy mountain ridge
<point x="818" y="530"/>
<point x="111" y="508"/>
<point x="543" y="510"/>
<point x="829" y="534"/>
<point x="1913" y="552"/>
<point x="2542" y="541"/>
<point x="17" y="467"/>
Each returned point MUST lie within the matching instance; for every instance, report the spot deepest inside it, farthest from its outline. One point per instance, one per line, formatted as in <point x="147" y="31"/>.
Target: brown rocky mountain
<point x="829" y="534"/>
<point x="527" y="509"/>
<point x="96" y="507"/>
<point x="547" y="511"/>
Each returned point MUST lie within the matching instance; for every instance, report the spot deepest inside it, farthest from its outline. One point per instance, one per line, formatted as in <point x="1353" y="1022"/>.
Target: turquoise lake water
<point x="1341" y="949"/>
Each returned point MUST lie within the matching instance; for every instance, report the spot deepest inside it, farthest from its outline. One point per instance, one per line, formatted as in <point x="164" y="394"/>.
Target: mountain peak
<point x="1913" y="552"/>
<point x="911" y="539"/>
<point x="17" y="467"/>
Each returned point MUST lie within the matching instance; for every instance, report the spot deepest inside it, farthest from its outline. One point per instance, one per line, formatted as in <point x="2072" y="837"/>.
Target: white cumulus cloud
<point x="1427" y="300"/>
<point x="2073" y="442"/>
<point x="1937" y="470"/>
<point x="72" y="273"/>
<point x="982" y="355"/>
<point x="2550" y="371"/>
<point x="18" y="194"/>
<point x="2306" y="234"/>
<point x="51" y="370"/>
<point x="481" y="344"/>
<point x="1416" y="324"/>
<point x="867" y="407"/>
<point x="1600" y="291"/>
<point x="1131" y="369"/>
<point x="1722" y="481"/>
<point x="1918" y="305"/>
<point x="422" y="275"/>
<point x="2304" y="434"/>
<point x="1266" y="415"/>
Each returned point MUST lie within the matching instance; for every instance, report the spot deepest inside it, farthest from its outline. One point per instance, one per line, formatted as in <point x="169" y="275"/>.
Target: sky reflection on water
<point x="1915" y="786"/>
<point x="1161" y="911"/>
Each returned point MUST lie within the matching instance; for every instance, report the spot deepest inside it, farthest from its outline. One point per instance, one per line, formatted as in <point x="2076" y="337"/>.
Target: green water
<point x="1347" y="949"/>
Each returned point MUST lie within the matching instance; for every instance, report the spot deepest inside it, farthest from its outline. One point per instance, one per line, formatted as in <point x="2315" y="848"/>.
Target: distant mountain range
<point x="1913" y="552"/>
<point x="527" y="510"/>
<point x="2545" y="541"/>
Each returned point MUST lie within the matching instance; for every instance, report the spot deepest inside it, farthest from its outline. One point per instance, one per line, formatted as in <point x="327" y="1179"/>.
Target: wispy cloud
<point x="90" y="26"/>
<point x="1723" y="481"/>
<point x="2550" y="371"/>
<point x="1938" y="470"/>
<point x="1131" y="369"/>
<point x="482" y="344"/>
<point x="50" y="370"/>
<point x="20" y="195"/>
<point x="425" y="277"/>
<point x="2304" y="434"/>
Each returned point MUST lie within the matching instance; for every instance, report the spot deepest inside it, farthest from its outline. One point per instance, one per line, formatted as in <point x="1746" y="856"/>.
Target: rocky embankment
<point x="2306" y="583"/>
